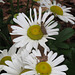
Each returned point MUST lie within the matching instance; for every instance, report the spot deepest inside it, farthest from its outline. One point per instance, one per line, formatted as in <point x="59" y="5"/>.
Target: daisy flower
<point x="62" y="12"/>
<point x="6" y="55"/>
<point x="34" y="32"/>
<point x="16" y="66"/>
<point x="49" y="67"/>
<point x="2" y="1"/>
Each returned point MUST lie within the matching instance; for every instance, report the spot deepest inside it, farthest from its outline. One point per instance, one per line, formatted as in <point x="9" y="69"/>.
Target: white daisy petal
<point x="39" y="18"/>
<point x="10" y="64"/>
<point x="1" y="67"/>
<point x="53" y="56"/>
<point x="50" y="19"/>
<point x="20" y="44"/>
<point x="31" y="15"/>
<point x="35" y="13"/>
<point x="29" y="73"/>
<point x="22" y="20"/>
<point x="61" y="68"/>
<point x="12" y="50"/>
<point x="51" y="38"/>
<point x="15" y="27"/>
<point x="63" y="18"/>
<point x="50" y="54"/>
<point x="6" y="74"/>
<point x="4" y="53"/>
<point x="53" y="25"/>
<point x="26" y="18"/>
<point x="58" y="60"/>
<point x="35" y="44"/>
<point x="18" y="39"/>
<point x="53" y="30"/>
<point x="45" y="16"/>
<point x="59" y="72"/>
<point x="9" y="70"/>
<point x="29" y="46"/>
<point x="36" y="53"/>
<point x="54" y="33"/>
<point x="28" y="67"/>
<point x="15" y="20"/>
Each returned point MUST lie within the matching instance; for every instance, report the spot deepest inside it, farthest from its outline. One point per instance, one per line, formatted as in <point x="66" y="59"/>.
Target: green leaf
<point x="70" y="64"/>
<point x="73" y="55"/>
<point x="65" y="34"/>
<point x="62" y="45"/>
<point x="72" y="44"/>
<point x="51" y="45"/>
<point x="1" y="18"/>
<point x="71" y="68"/>
<point x="5" y="39"/>
<point x="67" y="53"/>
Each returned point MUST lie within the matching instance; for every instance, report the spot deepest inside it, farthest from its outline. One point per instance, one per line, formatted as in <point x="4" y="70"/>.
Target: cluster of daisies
<point x="29" y="54"/>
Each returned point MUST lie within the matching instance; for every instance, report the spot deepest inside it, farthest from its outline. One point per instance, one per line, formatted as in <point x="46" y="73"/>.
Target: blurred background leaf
<point x="5" y="39"/>
<point x="65" y="34"/>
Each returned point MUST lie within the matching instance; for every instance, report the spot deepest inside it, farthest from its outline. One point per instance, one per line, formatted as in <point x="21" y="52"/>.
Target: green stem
<point x="18" y="6"/>
<point x="27" y="7"/>
<point x="32" y="4"/>
<point x="4" y="38"/>
<point x="12" y="8"/>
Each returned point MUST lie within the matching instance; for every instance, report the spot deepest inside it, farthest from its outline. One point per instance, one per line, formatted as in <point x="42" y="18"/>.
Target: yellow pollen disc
<point x="43" y="68"/>
<point x="56" y="10"/>
<point x="2" y="62"/>
<point x="25" y="70"/>
<point x="34" y="32"/>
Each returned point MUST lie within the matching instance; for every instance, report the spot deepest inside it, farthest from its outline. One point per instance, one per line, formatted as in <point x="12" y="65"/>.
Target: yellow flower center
<point x="34" y="32"/>
<point x="2" y="62"/>
<point x="43" y="68"/>
<point x="56" y="10"/>
<point x="25" y="70"/>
